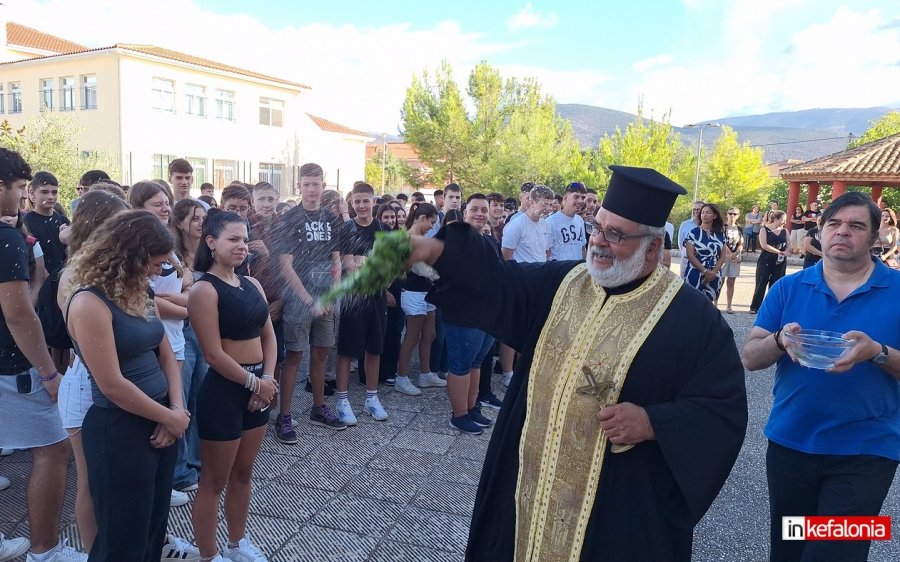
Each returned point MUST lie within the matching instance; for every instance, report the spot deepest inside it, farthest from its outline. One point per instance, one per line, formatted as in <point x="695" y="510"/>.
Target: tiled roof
<point x="23" y="36"/>
<point x="198" y="61"/>
<point x="333" y="127"/>
<point x="399" y="150"/>
<point x="151" y="50"/>
<point x="875" y="161"/>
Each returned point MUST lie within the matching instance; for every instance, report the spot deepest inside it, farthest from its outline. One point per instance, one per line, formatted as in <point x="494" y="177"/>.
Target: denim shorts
<point x="413" y="303"/>
<point x="466" y="348"/>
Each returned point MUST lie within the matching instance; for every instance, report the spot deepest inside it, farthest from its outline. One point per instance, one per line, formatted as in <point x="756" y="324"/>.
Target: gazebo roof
<point x="877" y="161"/>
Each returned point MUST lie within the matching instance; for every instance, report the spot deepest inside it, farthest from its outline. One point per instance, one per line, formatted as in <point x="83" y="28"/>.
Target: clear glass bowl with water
<point x="817" y="349"/>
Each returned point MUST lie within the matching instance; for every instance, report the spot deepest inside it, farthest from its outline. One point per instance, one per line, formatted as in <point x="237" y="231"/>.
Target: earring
<point x="213" y="251"/>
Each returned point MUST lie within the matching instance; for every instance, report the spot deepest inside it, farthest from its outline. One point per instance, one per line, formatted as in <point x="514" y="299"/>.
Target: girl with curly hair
<point x="74" y="398"/>
<point x="130" y="431"/>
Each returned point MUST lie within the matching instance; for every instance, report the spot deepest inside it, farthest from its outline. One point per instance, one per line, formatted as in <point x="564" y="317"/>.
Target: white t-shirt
<point x="168" y="283"/>
<point x="568" y="236"/>
<point x="528" y="239"/>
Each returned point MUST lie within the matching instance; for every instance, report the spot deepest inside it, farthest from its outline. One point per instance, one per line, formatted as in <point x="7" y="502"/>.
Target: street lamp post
<point x="383" y="159"/>
<point x="702" y="127"/>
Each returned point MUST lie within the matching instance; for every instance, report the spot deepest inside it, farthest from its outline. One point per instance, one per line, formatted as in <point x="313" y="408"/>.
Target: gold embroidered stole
<point x="588" y="336"/>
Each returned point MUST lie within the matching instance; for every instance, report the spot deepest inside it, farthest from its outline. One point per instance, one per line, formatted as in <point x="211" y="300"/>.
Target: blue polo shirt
<point x="851" y="413"/>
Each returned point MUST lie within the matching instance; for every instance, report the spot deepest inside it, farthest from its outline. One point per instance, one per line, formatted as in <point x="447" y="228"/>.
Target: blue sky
<point x="701" y="59"/>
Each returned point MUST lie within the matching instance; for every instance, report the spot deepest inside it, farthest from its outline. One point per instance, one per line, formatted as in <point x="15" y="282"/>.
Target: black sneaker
<point x="329" y="387"/>
<point x="477" y="418"/>
<point x="466" y="425"/>
<point x="489" y="400"/>
<point x="284" y="430"/>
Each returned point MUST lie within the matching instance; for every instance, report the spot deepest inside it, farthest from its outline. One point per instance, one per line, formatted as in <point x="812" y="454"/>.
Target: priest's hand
<point x="626" y="424"/>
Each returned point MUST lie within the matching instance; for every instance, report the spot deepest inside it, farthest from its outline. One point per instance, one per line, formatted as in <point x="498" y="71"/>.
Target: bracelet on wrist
<point x="51" y="377"/>
<point x="777" y="341"/>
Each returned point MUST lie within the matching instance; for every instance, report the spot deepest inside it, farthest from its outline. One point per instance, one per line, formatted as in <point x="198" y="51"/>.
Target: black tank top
<point x="242" y="310"/>
<point x="137" y="340"/>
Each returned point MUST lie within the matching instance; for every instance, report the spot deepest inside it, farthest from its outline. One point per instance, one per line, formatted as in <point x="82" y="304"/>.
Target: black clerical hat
<point x="642" y="195"/>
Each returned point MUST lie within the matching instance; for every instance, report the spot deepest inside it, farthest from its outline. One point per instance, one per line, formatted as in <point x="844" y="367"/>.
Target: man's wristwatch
<point x="882" y="357"/>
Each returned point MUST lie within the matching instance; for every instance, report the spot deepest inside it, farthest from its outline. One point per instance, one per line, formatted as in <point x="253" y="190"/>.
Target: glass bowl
<point x="817" y="349"/>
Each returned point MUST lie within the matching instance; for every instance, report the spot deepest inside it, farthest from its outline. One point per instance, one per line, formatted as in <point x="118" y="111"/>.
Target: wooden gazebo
<point x="875" y="164"/>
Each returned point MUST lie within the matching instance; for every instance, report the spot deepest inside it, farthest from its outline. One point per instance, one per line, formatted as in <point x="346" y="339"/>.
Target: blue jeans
<point x="193" y="371"/>
<point x="466" y="348"/>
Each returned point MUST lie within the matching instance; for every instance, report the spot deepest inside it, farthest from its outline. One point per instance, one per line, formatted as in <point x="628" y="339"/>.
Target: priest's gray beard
<point x="621" y="271"/>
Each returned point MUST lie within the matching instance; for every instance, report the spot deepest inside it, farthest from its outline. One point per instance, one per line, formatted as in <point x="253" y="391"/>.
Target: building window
<point x="224" y="172"/>
<point x="164" y="95"/>
<point x="271" y="112"/>
<point x="47" y="94"/>
<point x="272" y="173"/>
<point x="89" y="92"/>
<point x="195" y="100"/>
<point x="2" y="100"/>
<point x="67" y="93"/>
<point x="160" y="165"/>
<point x="15" y="97"/>
<point x="200" y="166"/>
<point x="225" y="105"/>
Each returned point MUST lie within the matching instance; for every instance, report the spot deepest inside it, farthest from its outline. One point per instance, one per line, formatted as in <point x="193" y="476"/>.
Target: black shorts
<point x="222" y="413"/>
<point x="362" y="326"/>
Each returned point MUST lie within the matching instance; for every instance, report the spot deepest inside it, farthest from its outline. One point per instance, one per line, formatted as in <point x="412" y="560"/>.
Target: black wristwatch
<point x="882" y="357"/>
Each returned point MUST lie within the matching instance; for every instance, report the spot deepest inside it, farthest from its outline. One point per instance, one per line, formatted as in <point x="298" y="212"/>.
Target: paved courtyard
<point x="403" y="490"/>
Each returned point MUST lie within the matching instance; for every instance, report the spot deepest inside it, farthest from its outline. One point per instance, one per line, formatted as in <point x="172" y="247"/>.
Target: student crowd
<point x="181" y="324"/>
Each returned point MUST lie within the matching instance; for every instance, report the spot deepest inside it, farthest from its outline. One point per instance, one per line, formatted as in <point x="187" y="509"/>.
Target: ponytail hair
<point x="213" y="225"/>
<point x="417" y="210"/>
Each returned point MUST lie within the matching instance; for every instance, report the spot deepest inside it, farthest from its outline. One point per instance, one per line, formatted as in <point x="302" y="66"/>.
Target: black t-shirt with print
<point x="809" y="219"/>
<point x="46" y="230"/>
<point x="310" y="238"/>
<point x="357" y="240"/>
<point x="13" y="267"/>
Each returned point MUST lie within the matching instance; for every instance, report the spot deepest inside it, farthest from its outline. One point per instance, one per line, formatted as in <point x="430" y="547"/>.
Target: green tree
<point x="48" y="142"/>
<point x="649" y="144"/>
<point x="398" y="174"/>
<point x="734" y="174"/>
<point x="887" y="125"/>
<point x="512" y="133"/>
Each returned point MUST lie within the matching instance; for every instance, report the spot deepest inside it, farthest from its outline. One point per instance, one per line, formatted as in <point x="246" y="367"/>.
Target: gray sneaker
<point x="324" y="417"/>
<point x="406" y="386"/>
<point x="431" y="379"/>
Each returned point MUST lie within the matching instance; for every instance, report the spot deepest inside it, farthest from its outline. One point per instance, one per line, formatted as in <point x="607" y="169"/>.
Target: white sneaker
<point x="245" y="552"/>
<point x="406" y="386"/>
<point x="4" y="482"/>
<point x="177" y="548"/>
<point x="345" y="412"/>
<point x="178" y="499"/>
<point x="375" y="409"/>
<point x="12" y="548"/>
<point x="65" y="554"/>
<point x="431" y="379"/>
<point x="506" y="379"/>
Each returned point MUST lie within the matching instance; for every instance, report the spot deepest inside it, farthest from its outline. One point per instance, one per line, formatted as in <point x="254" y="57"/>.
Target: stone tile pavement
<point x="399" y="490"/>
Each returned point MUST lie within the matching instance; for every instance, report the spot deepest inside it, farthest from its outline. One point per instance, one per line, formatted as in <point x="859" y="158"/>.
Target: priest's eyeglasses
<point x="614" y="237"/>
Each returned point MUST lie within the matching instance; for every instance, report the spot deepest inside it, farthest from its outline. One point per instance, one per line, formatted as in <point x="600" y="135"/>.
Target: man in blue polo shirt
<point x="834" y="435"/>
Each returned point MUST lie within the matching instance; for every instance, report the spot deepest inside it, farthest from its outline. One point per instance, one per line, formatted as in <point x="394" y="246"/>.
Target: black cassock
<point x="687" y="375"/>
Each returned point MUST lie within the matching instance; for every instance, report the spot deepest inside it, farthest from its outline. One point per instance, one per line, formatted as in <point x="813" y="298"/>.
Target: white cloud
<point x="358" y="75"/>
<point x="648" y="63"/>
<point x="848" y="60"/>
<point x="528" y="17"/>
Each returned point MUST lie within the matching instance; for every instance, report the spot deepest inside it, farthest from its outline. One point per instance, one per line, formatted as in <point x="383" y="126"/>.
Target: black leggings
<point x="130" y="483"/>
<point x="767" y="273"/>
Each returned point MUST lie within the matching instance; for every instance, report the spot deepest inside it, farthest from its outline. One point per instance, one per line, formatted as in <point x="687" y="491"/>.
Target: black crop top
<point x="242" y="310"/>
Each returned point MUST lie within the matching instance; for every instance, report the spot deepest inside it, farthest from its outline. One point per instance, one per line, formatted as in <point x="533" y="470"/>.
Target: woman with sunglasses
<point x="734" y="242"/>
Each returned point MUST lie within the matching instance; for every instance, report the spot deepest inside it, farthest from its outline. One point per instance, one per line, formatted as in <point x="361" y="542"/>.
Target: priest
<point x="627" y="409"/>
